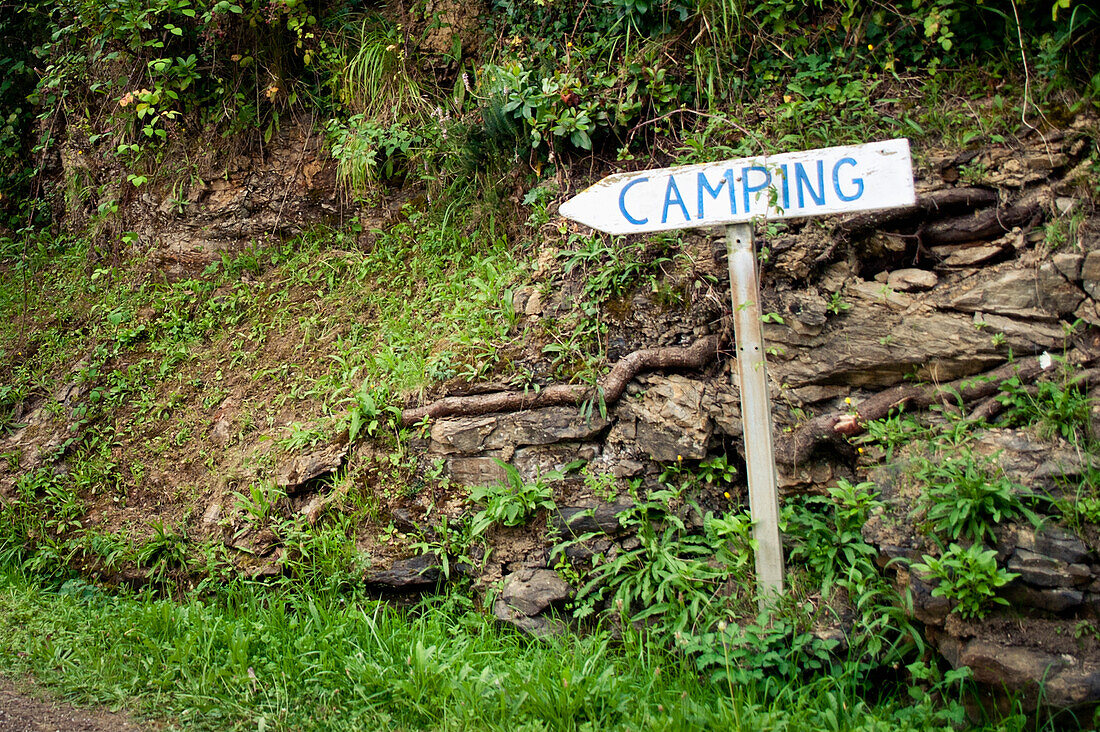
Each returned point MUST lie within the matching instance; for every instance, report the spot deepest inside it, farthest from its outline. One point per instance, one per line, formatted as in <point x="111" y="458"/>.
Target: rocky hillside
<point x="351" y="342"/>
<point x="220" y="436"/>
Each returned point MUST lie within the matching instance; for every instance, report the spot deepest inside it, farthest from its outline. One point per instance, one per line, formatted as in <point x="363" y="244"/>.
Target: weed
<point x="164" y="552"/>
<point x="603" y="484"/>
<point x="449" y="542"/>
<point x="511" y="502"/>
<point x="832" y="546"/>
<point x="1058" y="405"/>
<point x="261" y="503"/>
<point x="321" y="661"/>
<point x="837" y="304"/>
<point x="966" y="496"/>
<point x="967" y="577"/>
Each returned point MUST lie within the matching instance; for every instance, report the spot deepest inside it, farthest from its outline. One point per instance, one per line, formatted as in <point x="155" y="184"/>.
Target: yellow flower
<point x="680" y="458"/>
<point x="870" y="47"/>
<point x="726" y="494"/>
<point x="860" y="450"/>
<point x="847" y="400"/>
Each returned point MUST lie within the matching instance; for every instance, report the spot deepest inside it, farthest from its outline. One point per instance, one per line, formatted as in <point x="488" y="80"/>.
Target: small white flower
<point x="1045" y="360"/>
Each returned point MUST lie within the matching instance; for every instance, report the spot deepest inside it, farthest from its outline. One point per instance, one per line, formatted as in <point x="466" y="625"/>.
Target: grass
<point x="253" y="658"/>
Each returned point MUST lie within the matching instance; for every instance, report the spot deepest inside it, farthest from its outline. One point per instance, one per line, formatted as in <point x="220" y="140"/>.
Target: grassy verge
<point x="254" y="659"/>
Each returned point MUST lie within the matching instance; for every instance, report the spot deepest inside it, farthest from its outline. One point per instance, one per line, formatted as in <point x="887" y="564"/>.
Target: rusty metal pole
<point x="756" y="413"/>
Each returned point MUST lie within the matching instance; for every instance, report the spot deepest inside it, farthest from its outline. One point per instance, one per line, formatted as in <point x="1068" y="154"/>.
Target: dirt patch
<point x="25" y="708"/>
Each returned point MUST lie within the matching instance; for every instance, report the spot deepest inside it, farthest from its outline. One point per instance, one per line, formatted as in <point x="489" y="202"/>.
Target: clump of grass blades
<point x="251" y="657"/>
<point x="377" y="81"/>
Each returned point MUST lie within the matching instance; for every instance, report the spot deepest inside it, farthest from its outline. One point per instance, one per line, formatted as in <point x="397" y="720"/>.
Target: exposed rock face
<point x="1042" y="660"/>
<point x="532" y="591"/>
<point x="1037" y="647"/>
<point x="415" y="573"/>
<point x="948" y="288"/>
<point x="303" y="468"/>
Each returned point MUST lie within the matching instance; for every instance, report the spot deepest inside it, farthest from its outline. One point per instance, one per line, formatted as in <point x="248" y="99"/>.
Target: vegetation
<point x="613" y="77"/>
<point x="315" y="342"/>
<point x="247" y="657"/>
<point x="968" y="577"/>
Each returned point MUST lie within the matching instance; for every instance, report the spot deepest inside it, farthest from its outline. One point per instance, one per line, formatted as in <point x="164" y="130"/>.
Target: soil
<point x="26" y="708"/>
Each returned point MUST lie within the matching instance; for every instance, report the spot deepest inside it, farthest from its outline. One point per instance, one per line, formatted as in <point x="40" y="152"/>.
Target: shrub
<point x="967" y="577"/>
<point x="968" y="495"/>
<point x="511" y="501"/>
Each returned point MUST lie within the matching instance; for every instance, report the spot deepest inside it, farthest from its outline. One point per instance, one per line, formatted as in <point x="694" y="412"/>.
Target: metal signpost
<point x="734" y="193"/>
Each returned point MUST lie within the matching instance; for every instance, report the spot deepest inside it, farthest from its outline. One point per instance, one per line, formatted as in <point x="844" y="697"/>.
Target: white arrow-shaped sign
<point x="867" y="177"/>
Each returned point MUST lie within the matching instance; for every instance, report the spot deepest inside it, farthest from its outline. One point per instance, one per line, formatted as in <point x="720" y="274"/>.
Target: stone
<point x="669" y="420"/>
<point x="927" y="607"/>
<point x="312" y="509"/>
<point x="583" y="553"/>
<point x="1057" y="294"/>
<point x="813" y="393"/>
<point x="470" y="435"/>
<point x="1051" y="600"/>
<point x="912" y="280"/>
<point x="531" y="591"/>
<point x="808" y="313"/>
<point x="970" y="256"/>
<point x="539" y="626"/>
<point x="536" y="461"/>
<point x="873" y="346"/>
<point x="1088" y="312"/>
<point x="304" y="468"/>
<point x="475" y="470"/>
<point x="1052" y="541"/>
<point x="520" y="298"/>
<point x="533" y="306"/>
<point x="1056" y="680"/>
<point x="220" y="433"/>
<point x="1011" y="292"/>
<point x="1043" y="571"/>
<point x="797" y="479"/>
<point x="418" y="572"/>
<point x="212" y="513"/>
<point x="626" y="468"/>
<point x="723" y="405"/>
<point x="596" y="517"/>
<point x="1029" y="462"/>
<point x="1047" y="161"/>
<point x="1069" y="264"/>
<point x="1011" y="666"/>
<point x="466" y="435"/>
<point x="1090" y="274"/>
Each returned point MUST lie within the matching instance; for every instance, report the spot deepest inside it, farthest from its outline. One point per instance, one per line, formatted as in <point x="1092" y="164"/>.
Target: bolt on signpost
<point x="734" y="193"/>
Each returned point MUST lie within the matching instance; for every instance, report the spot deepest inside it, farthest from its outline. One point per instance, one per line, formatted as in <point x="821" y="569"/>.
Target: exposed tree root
<point x="985" y="224"/>
<point x="612" y="385"/>
<point x="934" y="204"/>
<point x="832" y="428"/>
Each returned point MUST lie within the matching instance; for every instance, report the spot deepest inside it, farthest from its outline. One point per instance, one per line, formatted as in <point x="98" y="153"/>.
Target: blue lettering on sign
<point x="786" y="187"/>
<point x="747" y="189"/>
<point x="622" y="202"/>
<point x="704" y="185"/>
<point x="678" y="200"/>
<point x="836" y="180"/>
<point x="803" y="184"/>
